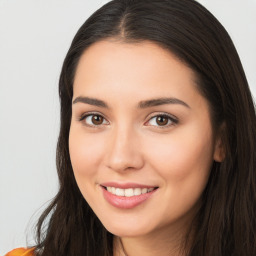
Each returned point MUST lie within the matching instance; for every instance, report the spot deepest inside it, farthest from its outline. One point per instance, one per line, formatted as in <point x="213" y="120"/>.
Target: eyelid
<point x="82" y="117"/>
<point x="173" y="119"/>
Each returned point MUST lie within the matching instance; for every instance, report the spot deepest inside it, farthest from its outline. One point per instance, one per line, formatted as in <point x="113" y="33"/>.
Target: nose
<point x="123" y="150"/>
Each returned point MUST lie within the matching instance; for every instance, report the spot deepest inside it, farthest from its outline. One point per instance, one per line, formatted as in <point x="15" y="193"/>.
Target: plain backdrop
<point x="34" y="38"/>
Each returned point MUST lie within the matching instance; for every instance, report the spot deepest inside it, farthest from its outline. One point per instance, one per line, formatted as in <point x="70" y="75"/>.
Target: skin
<point x="129" y="145"/>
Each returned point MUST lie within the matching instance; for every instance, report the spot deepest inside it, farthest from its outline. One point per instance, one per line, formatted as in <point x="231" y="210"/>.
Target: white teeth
<point x="129" y="191"/>
<point x="113" y="190"/>
<point x="137" y="191"/>
<point x="144" y="190"/>
<point x="119" y="192"/>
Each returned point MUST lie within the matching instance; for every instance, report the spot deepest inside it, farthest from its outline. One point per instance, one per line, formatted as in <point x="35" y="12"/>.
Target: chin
<point x="127" y="232"/>
<point x="128" y="229"/>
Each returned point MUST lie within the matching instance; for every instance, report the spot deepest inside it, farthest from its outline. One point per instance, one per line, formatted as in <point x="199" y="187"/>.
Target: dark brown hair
<point x="226" y="222"/>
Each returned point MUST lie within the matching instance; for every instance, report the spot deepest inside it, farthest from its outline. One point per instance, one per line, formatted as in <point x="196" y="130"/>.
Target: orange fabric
<point x="21" y="252"/>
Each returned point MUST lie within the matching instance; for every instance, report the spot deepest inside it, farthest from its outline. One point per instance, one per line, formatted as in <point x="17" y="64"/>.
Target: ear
<point x="219" y="148"/>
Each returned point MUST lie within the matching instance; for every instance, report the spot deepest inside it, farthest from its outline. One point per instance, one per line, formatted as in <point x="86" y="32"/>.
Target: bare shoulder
<point x="21" y="252"/>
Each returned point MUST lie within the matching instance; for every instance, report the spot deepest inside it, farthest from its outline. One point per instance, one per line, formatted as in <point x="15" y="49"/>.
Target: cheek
<point x="184" y="164"/>
<point x="183" y="158"/>
<point x="85" y="154"/>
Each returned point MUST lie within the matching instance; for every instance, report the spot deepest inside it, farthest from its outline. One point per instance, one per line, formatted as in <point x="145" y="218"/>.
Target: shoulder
<point x="21" y="252"/>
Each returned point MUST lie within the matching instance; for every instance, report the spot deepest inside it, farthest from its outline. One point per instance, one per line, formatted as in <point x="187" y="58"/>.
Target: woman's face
<point x="141" y="140"/>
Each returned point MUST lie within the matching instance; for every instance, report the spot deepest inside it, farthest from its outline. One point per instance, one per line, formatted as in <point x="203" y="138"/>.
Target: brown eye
<point x="94" y="120"/>
<point x="97" y="120"/>
<point x="162" y="120"/>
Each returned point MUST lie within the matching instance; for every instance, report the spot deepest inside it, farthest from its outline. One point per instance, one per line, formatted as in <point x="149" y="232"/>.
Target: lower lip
<point x="124" y="202"/>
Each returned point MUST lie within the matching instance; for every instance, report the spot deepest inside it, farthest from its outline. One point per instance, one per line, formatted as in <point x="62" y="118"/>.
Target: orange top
<point x="21" y="252"/>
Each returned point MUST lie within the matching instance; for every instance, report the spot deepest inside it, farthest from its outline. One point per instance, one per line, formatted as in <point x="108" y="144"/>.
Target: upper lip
<point x="126" y="185"/>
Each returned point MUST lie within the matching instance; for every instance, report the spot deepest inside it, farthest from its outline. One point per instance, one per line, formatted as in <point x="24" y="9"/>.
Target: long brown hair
<point x="226" y="222"/>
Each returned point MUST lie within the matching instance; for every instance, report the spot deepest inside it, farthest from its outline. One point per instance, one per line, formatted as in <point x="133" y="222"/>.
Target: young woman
<point x="157" y="146"/>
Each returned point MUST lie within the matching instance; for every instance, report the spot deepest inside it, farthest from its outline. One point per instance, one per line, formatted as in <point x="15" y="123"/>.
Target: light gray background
<point x="34" y="38"/>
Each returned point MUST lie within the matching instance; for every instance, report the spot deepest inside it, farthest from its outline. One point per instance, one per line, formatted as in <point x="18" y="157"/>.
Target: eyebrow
<point x="142" y="104"/>
<point x="161" y="101"/>
<point x="91" y="101"/>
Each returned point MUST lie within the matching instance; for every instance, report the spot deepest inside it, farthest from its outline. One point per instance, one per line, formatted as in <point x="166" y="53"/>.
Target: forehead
<point x="130" y="60"/>
<point x="139" y="70"/>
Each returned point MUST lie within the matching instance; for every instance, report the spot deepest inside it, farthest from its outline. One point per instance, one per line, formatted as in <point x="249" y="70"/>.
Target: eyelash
<point x="84" y="116"/>
<point x="171" y="120"/>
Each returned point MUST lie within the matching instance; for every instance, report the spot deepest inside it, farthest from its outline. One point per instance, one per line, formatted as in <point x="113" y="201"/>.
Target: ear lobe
<point x="219" y="150"/>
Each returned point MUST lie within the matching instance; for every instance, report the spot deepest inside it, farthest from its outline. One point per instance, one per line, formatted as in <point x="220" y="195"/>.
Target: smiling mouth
<point x="129" y="192"/>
